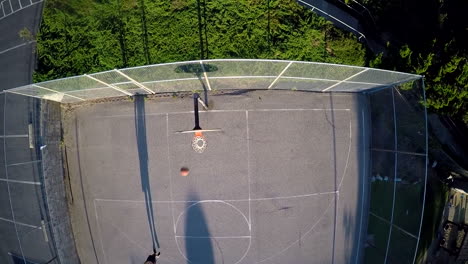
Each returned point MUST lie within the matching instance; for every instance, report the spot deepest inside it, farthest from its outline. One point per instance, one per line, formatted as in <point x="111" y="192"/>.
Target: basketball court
<point x="276" y="177"/>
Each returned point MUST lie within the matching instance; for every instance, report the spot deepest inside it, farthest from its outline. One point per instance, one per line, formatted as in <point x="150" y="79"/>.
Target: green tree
<point x="86" y="36"/>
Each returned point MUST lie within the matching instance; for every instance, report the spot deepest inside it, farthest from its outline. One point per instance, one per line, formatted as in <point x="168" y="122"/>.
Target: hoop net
<point x="198" y="142"/>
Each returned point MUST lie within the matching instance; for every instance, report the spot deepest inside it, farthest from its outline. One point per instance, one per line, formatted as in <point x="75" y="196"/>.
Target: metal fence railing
<point x="215" y="75"/>
<point x="398" y="173"/>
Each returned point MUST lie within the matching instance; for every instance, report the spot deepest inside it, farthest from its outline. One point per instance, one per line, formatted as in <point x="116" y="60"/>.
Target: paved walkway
<point x="284" y="182"/>
<point x="24" y="222"/>
<point x="346" y="20"/>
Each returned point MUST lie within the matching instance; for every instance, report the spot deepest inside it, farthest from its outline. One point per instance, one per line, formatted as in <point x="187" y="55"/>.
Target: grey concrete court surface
<point x="283" y="182"/>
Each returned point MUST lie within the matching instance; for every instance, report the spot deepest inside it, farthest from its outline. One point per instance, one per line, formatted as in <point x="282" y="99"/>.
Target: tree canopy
<point x="428" y="38"/>
<point x="84" y="36"/>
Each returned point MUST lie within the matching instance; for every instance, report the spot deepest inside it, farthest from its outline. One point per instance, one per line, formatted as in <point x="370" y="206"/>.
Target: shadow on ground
<point x="142" y="144"/>
<point x="198" y="246"/>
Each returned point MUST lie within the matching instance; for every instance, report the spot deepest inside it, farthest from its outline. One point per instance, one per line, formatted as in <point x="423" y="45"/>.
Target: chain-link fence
<point x="215" y="75"/>
<point x="398" y="173"/>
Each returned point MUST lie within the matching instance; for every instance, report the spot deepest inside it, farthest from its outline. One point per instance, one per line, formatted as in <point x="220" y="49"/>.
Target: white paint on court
<point x="249" y="200"/>
<point x="395" y="174"/>
<point x="248" y="168"/>
<point x="6" y="174"/>
<point x="227" y="111"/>
<point x="14" y="136"/>
<point x="215" y="237"/>
<point x="24" y="163"/>
<point x="227" y="200"/>
<point x="23" y="182"/>
<point x="7" y="8"/>
<point x="364" y="179"/>
<point x="17" y="46"/>
<point x="303" y="235"/>
<point x="19" y="223"/>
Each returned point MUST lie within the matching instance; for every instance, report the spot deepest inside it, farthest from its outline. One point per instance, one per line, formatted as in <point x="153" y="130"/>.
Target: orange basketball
<point x="184" y="171"/>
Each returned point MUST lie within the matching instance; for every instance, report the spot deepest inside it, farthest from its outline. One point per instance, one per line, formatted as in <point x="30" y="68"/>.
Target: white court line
<point x="19" y="223"/>
<point x="399" y="151"/>
<point x="215" y="237"/>
<point x="17" y="46"/>
<point x="24" y="182"/>
<point x="364" y="179"/>
<point x="14" y="136"/>
<point x="15" y="11"/>
<point x="232" y="200"/>
<point x="231" y="111"/>
<point x="298" y="109"/>
<point x="120" y="231"/>
<point x="302" y="236"/>
<point x="395" y="174"/>
<point x="124" y="235"/>
<point x="397" y="227"/>
<point x="8" y="185"/>
<point x="425" y="173"/>
<point x="292" y="196"/>
<point x="248" y="167"/>
<point x="24" y="163"/>
<point x="99" y="230"/>
<point x="349" y="154"/>
<point x="215" y="201"/>
<point x="211" y="201"/>
<point x="170" y="174"/>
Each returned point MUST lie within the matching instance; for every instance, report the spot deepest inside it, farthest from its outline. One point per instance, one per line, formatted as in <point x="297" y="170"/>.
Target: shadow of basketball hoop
<point x="198" y="69"/>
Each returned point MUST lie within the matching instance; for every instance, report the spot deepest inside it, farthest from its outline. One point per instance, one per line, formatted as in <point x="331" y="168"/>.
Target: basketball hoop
<point x="198" y="142"/>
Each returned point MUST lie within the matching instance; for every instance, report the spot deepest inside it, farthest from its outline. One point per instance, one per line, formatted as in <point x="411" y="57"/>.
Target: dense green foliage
<point x="428" y="38"/>
<point x="424" y="37"/>
<point x="84" y="36"/>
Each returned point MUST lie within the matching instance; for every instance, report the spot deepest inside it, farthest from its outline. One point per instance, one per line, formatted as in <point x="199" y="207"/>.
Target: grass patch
<point x="436" y="197"/>
<point x="382" y="198"/>
<point x="379" y="230"/>
<point x="401" y="248"/>
<point x="408" y="206"/>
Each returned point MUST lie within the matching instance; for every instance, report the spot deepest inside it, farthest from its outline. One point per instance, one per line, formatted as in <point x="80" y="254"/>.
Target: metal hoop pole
<point x="195" y="106"/>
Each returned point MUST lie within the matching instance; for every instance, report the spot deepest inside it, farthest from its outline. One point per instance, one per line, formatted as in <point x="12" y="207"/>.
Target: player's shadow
<point x="140" y="131"/>
<point x="198" y="246"/>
